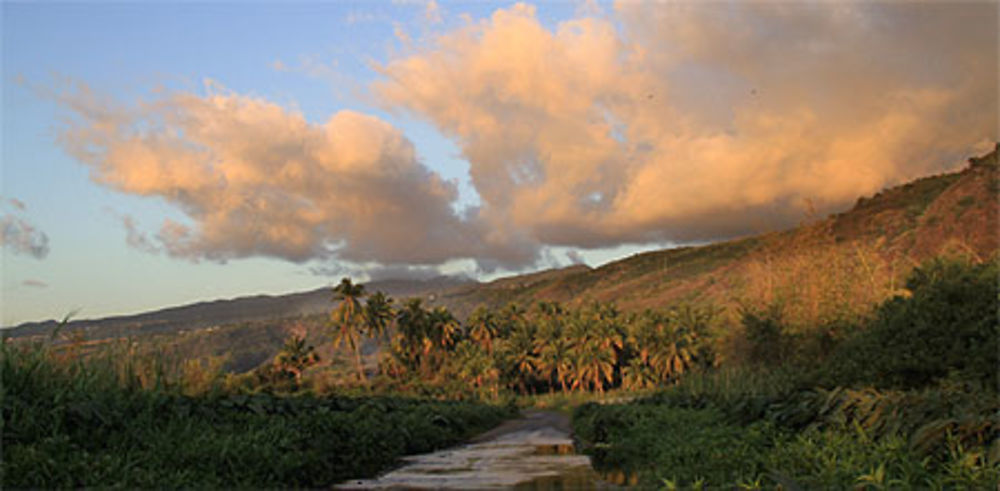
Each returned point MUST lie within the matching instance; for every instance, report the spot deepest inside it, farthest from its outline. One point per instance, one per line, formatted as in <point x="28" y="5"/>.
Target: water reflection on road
<point x="531" y="453"/>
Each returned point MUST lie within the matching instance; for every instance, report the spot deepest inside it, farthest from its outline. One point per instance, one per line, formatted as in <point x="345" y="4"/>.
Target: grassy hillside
<point x="892" y="231"/>
<point x="201" y="315"/>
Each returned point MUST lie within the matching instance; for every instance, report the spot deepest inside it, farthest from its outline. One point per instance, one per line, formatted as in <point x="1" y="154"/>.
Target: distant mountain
<point x="242" y="309"/>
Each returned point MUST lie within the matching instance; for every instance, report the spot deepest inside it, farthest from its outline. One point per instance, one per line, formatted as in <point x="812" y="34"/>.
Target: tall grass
<point x="118" y="420"/>
<point x="908" y="399"/>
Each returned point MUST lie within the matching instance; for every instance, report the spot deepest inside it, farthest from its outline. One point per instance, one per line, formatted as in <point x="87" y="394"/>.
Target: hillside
<point x="229" y="311"/>
<point x="898" y="227"/>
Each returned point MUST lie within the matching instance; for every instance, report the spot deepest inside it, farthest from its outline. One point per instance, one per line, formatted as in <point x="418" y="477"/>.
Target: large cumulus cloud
<point x="701" y="120"/>
<point x="661" y="121"/>
<point x="258" y="180"/>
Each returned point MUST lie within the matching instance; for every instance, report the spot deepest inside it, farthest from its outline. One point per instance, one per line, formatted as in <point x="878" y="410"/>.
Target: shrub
<point x="948" y="325"/>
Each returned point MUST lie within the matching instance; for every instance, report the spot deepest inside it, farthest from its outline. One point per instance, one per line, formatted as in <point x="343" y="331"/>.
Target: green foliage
<point x="943" y="437"/>
<point x="918" y="410"/>
<point x="948" y="324"/>
<point x="682" y="446"/>
<point x="765" y="332"/>
<point x="87" y="423"/>
<point x="548" y="348"/>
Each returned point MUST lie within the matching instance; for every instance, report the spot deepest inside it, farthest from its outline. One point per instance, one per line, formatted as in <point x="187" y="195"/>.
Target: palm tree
<point x="348" y="320"/>
<point x="411" y="325"/>
<point x="553" y="351"/>
<point x="598" y="344"/>
<point x="378" y="314"/>
<point x="295" y="357"/>
<point x="519" y="355"/>
<point x="483" y="328"/>
<point x="445" y="329"/>
<point x="476" y="366"/>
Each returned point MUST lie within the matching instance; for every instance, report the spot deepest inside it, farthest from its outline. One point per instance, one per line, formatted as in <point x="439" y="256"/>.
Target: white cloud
<point x="255" y="179"/>
<point x="654" y="122"/>
<point x="699" y="121"/>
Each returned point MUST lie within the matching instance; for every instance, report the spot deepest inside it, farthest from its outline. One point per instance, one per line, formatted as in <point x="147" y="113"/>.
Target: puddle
<point x="529" y="454"/>
<point x="565" y="449"/>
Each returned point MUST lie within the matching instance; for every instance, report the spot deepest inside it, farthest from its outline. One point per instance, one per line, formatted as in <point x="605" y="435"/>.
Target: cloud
<point x="255" y="179"/>
<point x="575" y="257"/>
<point x="33" y="283"/>
<point x="648" y="123"/>
<point x="403" y="273"/>
<point x="432" y="12"/>
<point x="136" y="238"/>
<point x="20" y="236"/>
<point x="697" y="121"/>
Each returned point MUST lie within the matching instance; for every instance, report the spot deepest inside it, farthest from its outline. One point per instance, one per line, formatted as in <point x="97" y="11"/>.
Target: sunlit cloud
<point x="33" y="283"/>
<point x="648" y="123"/>
<point x="255" y="179"/>
<point x="697" y="121"/>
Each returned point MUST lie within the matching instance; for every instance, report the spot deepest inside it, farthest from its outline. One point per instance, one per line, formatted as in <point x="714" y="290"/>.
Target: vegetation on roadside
<point x="141" y="422"/>
<point x="908" y="399"/>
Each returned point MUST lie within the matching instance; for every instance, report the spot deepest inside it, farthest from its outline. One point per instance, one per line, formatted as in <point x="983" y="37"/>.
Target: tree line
<point x="548" y="347"/>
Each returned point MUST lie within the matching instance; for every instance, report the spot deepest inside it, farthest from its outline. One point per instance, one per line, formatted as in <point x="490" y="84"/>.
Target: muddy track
<point x="534" y="451"/>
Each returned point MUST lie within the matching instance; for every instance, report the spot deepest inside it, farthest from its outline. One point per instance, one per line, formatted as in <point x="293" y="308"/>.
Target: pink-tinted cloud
<point x="653" y="122"/>
<point x="255" y="179"/>
<point x="701" y="120"/>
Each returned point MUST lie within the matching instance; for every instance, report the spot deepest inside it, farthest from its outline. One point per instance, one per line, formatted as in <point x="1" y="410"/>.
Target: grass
<point x="667" y="441"/>
<point x="909" y="400"/>
<point x="115" y="421"/>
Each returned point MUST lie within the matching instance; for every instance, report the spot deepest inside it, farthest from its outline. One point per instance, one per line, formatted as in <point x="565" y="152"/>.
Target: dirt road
<point x="531" y="452"/>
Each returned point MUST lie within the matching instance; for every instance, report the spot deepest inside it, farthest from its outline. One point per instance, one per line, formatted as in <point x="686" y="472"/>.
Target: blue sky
<point x="595" y="131"/>
<point x="129" y="49"/>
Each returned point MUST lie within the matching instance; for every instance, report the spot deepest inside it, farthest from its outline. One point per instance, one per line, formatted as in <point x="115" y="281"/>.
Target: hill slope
<point x="229" y="311"/>
<point x="898" y="227"/>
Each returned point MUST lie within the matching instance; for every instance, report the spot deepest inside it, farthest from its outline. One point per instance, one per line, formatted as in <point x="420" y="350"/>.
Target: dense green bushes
<point x="77" y="424"/>
<point x="649" y="441"/>
<point x="810" y="438"/>
<point x="909" y="399"/>
<point x="947" y="326"/>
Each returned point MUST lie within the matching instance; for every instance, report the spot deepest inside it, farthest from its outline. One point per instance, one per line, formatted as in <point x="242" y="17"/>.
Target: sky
<point x="155" y="154"/>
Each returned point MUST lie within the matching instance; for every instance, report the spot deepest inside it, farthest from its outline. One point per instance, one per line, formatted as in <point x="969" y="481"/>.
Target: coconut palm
<point x="553" y="351"/>
<point x="412" y="326"/>
<point x="295" y="356"/>
<point x="518" y="355"/>
<point x="477" y="367"/>
<point x="445" y="329"/>
<point x="348" y="320"/>
<point x="378" y="314"/>
<point x="483" y="328"/>
<point x="594" y="366"/>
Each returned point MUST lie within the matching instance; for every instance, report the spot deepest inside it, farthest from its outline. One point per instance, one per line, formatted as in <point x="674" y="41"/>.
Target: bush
<point x="682" y="446"/>
<point x="947" y="326"/>
<point x="75" y="424"/>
